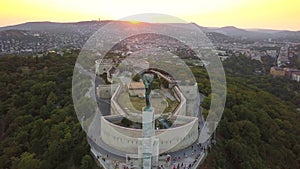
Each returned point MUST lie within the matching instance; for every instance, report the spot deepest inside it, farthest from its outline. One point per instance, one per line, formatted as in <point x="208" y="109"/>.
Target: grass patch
<point x="171" y="105"/>
<point x="138" y="103"/>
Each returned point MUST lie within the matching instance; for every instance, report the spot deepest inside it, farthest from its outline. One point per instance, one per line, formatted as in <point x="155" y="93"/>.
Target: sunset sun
<point x="135" y="22"/>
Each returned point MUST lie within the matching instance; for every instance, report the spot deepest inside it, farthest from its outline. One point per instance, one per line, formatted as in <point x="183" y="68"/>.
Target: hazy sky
<point x="274" y="14"/>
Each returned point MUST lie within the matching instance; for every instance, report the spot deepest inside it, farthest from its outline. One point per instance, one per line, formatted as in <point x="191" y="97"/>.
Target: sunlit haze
<point x="269" y="14"/>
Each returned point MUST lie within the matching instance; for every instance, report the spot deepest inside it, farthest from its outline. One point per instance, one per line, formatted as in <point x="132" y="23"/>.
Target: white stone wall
<point x="191" y="94"/>
<point x="181" y="108"/>
<point x="170" y="140"/>
<point x="177" y="138"/>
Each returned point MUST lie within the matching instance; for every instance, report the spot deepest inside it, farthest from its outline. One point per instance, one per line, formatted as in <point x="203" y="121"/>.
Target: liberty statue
<point x="147" y="80"/>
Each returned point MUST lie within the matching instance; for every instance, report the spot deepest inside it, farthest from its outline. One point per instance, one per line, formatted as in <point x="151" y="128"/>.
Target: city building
<point x="136" y="89"/>
<point x="277" y="72"/>
<point x="289" y="72"/>
<point x="296" y="76"/>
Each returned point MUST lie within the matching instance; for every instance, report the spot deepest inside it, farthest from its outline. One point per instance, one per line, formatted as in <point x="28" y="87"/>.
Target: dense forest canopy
<point x="39" y="128"/>
<point x="260" y="125"/>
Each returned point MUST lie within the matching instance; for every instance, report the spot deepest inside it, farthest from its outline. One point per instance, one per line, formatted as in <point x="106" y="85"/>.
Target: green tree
<point x="28" y="161"/>
<point x="86" y="162"/>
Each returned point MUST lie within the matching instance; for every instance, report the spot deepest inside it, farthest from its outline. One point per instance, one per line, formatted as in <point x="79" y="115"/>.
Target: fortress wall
<point x="120" y="138"/>
<point x="191" y="94"/>
<point x="181" y="108"/>
<point x="126" y="139"/>
<point x="178" y="138"/>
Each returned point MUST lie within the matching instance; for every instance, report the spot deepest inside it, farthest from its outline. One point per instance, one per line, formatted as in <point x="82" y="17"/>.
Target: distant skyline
<point x="263" y="14"/>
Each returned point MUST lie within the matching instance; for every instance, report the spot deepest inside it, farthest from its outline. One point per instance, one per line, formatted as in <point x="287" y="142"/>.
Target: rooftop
<point x="136" y="85"/>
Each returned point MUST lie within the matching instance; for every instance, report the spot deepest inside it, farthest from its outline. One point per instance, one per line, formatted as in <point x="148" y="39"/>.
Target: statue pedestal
<point x="148" y="150"/>
<point x="148" y="122"/>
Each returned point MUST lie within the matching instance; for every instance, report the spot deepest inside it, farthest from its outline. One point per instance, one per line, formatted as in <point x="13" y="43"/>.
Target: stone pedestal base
<point x="148" y="150"/>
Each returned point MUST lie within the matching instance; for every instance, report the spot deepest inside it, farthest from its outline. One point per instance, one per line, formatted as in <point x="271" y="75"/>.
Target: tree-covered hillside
<point x="260" y="125"/>
<point x="38" y="125"/>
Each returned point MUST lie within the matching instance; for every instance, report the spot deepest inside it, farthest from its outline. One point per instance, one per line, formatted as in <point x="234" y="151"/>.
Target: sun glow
<point x="275" y="14"/>
<point x="135" y="22"/>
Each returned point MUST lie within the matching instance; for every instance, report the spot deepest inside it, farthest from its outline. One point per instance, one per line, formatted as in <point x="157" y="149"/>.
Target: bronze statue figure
<point x="147" y="79"/>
